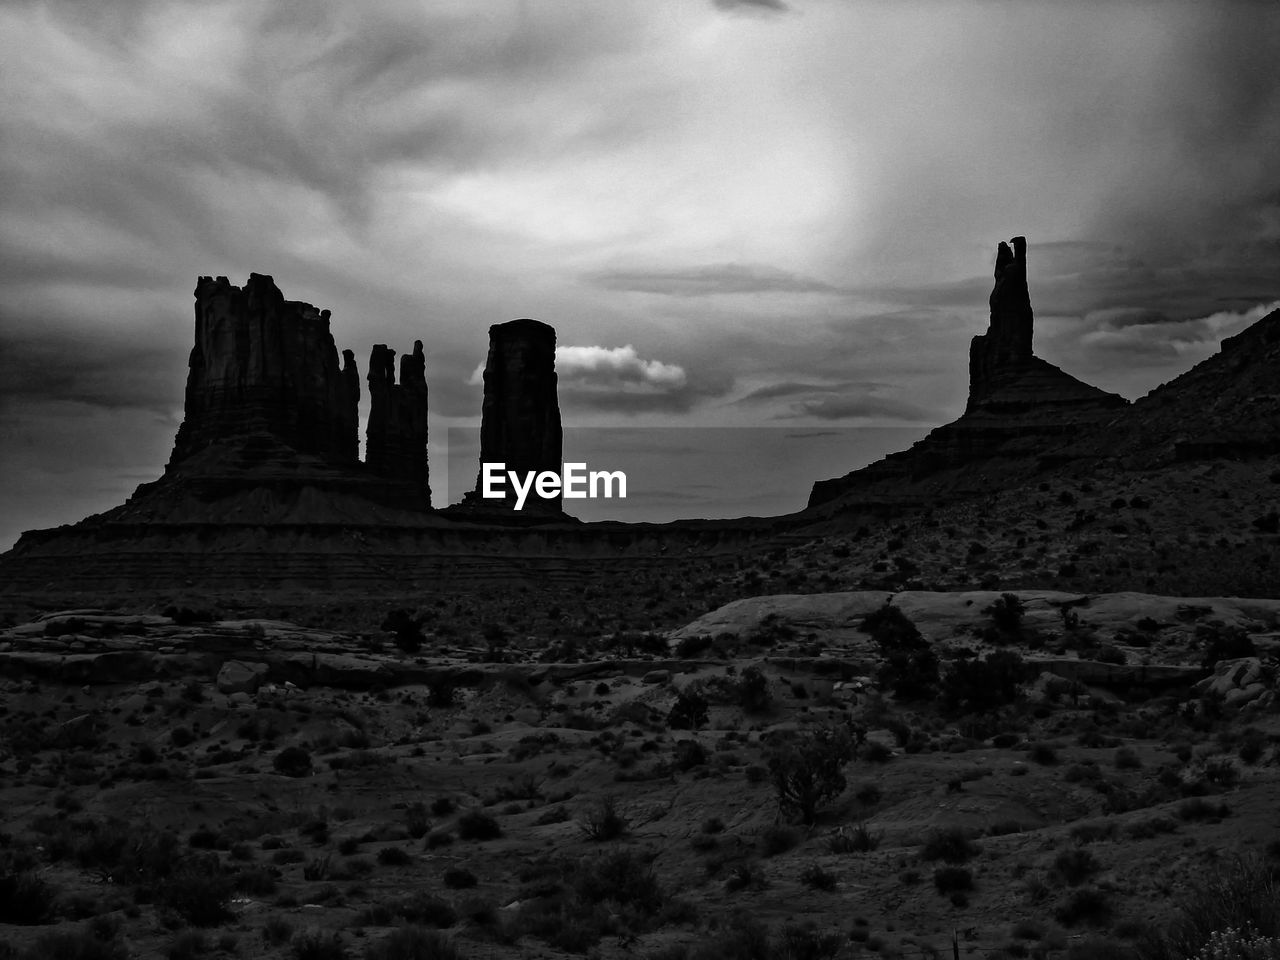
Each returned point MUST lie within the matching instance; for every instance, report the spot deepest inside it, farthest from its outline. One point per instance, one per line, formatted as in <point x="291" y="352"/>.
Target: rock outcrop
<point x="1019" y="406"/>
<point x="262" y="364"/>
<point x="396" y="445"/>
<point x="520" y="417"/>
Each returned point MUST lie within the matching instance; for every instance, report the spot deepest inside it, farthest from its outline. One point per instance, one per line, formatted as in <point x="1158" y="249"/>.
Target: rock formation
<point x="396" y="447"/>
<point x="1018" y="406"/>
<point x="265" y="365"/>
<point x="1007" y="343"/>
<point x="520" y="417"/>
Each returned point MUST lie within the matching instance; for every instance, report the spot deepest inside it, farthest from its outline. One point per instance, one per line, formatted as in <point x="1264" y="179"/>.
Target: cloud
<point x="710" y="280"/>
<point x="837" y="401"/>
<point x="851" y="407"/>
<point x="616" y="365"/>
<point x="767" y="6"/>
<point x="619" y="380"/>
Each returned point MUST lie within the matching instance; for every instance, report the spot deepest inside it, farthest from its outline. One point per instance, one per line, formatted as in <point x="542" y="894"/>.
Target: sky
<point x="768" y="215"/>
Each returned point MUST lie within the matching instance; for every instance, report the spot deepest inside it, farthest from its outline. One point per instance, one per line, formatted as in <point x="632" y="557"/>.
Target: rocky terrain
<point x="181" y="787"/>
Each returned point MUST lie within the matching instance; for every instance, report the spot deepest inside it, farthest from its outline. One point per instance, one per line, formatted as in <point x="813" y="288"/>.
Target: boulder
<point x="237" y="676"/>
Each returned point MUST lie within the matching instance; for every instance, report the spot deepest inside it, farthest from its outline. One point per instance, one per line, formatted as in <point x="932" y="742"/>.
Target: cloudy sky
<point x="775" y="214"/>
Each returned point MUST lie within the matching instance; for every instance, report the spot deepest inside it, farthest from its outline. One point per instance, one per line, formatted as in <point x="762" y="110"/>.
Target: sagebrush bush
<point x="413" y="943"/>
<point x="603" y="821"/>
<point x="953" y="879"/>
<point x="315" y="945"/>
<point x="859" y="839"/>
<point x="292" y="762"/>
<point x="1075" y="866"/>
<point x="478" y="825"/>
<point x="950" y="844"/>
<point x="1241" y="895"/>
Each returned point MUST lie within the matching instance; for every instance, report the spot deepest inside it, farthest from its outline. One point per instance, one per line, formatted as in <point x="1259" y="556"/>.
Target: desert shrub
<point x="771" y="630"/>
<point x="1221" y="772"/>
<point x="857" y="840"/>
<point x="26" y="898"/>
<point x="804" y="943"/>
<point x="257" y="881"/>
<point x="440" y="691"/>
<point x="1252" y="745"/>
<point x="1240" y="894"/>
<point x="816" y="878"/>
<point x="748" y="875"/>
<point x="1043" y="753"/>
<point x="752" y="690"/>
<point x="438" y="838"/>
<point x="911" y="666"/>
<point x="315" y="945"/>
<point x="689" y="712"/>
<point x="693" y="646"/>
<point x="187" y="945"/>
<point x="689" y="754"/>
<point x="73" y="945"/>
<point x="1075" y="866"/>
<point x="1198" y="808"/>
<point x="394" y="857"/>
<point x="810" y="770"/>
<point x="1006" y="614"/>
<point x="1232" y="944"/>
<point x="603" y="821"/>
<point x="424" y="908"/>
<point x="292" y="762"/>
<point x="477" y="825"/>
<point x="276" y="931"/>
<point x="982" y="684"/>
<point x="459" y="878"/>
<point x="1223" y="643"/>
<point x="950" y="844"/>
<point x="181" y="737"/>
<point x="443" y="806"/>
<point x="778" y="838"/>
<point x="413" y="943"/>
<point x="876" y="752"/>
<point x="953" y="879"/>
<point x="198" y="891"/>
<point x="1084" y="905"/>
<point x="406" y="628"/>
<point x="1127" y="759"/>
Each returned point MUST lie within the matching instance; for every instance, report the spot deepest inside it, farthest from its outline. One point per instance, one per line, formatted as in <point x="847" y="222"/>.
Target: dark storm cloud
<point x="709" y="280"/>
<point x="44" y="369"/>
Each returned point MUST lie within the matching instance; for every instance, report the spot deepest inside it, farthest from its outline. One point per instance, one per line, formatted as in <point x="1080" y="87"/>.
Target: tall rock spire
<point x="520" y="417"/>
<point x="396" y="447"/>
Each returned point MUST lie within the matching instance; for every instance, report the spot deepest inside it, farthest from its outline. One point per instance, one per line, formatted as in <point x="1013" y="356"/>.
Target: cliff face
<point x="520" y="417"/>
<point x="265" y="365"/>
<point x="396" y="447"/>
<point x="1018" y="406"/>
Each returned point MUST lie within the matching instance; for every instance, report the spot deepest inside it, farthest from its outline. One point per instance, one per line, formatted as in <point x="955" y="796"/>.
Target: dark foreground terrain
<point x="1038" y="773"/>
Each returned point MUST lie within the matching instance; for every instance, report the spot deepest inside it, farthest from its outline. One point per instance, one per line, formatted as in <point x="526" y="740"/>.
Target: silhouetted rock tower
<point x="520" y="417"/>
